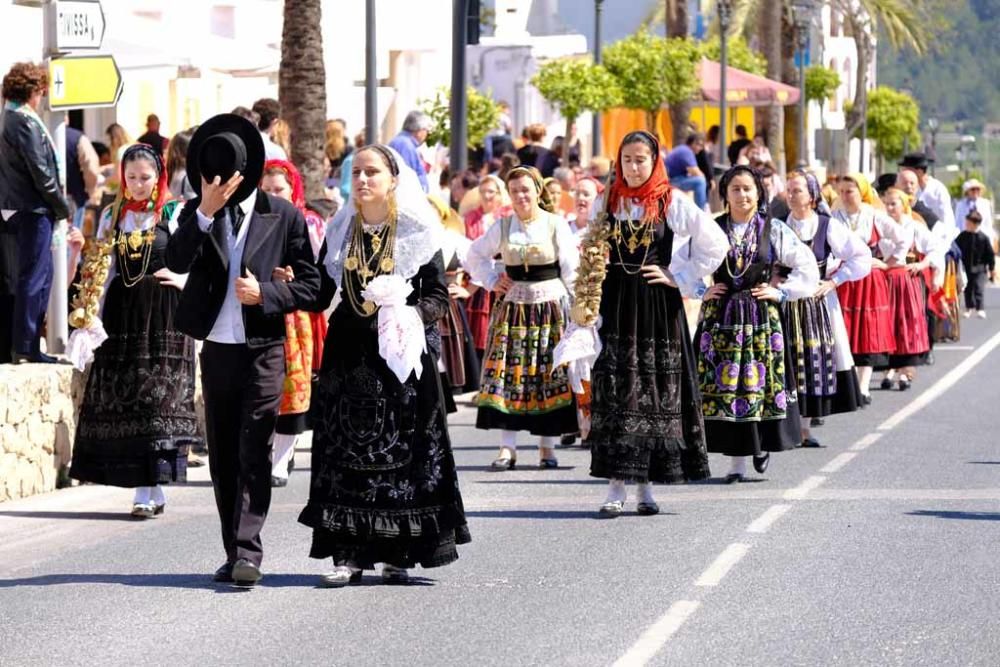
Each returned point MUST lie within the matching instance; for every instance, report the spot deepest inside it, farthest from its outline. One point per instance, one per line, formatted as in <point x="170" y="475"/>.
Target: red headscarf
<point x="159" y="194"/>
<point x="649" y="194"/>
<point x="293" y="177"/>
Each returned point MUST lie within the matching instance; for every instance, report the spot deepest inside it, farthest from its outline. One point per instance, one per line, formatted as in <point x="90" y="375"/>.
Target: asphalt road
<point x="879" y="549"/>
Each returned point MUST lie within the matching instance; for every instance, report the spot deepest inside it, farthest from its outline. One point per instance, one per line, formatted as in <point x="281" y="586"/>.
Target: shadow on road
<point x="602" y="482"/>
<point x="202" y="581"/>
<point x="543" y="514"/>
<point x="984" y="463"/>
<point x="91" y="516"/>
<point x="968" y="516"/>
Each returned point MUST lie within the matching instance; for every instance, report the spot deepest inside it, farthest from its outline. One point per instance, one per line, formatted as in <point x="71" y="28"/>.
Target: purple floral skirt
<point x="741" y="360"/>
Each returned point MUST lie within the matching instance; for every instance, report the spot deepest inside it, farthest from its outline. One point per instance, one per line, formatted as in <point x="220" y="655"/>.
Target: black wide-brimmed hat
<point x="915" y="161"/>
<point x="223" y="145"/>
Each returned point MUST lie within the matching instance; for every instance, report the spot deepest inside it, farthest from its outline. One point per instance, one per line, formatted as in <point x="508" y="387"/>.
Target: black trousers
<point x="34" y="279"/>
<point x="975" y="286"/>
<point x="242" y="388"/>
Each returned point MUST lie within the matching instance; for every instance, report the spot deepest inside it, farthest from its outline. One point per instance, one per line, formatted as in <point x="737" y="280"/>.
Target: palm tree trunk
<point x="302" y="90"/>
<point x="677" y="26"/>
<point x="855" y="117"/>
<point x="790" y="75"/>
<point x="769" y="32"/>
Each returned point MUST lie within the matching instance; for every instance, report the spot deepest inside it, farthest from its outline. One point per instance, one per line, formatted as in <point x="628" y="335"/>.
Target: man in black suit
<point x="229" y="240"/>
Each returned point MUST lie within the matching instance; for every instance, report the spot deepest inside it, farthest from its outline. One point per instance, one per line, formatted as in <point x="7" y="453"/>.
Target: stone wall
<point x="37" y="425"/>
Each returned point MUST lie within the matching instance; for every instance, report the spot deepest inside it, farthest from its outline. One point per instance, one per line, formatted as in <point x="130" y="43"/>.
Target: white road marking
<point x="764" y="522"/>
<point x="803" y="489"/>
<point x="715" y="573"/>
<point x="838" y="462"/>
<point x="865" y="442"/>
<point x="935" y="391"/>
<point x="954" y="348"/>
<point x="653" y="639"/>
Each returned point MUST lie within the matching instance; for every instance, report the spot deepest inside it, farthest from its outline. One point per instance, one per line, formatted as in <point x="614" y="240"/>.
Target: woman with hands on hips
<point x="744" y="368"/>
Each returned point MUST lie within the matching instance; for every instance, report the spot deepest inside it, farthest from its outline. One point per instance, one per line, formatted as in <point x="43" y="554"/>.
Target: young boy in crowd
<point x="979" y="261"/>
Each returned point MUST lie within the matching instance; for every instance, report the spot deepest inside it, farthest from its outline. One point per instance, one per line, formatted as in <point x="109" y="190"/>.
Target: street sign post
<point x="81" y="82"/>
<point x="74" y="25"/>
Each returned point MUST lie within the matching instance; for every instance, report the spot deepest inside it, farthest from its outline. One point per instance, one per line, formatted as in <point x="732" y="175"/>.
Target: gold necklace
<point x="647" y="240"/>
<point x="362" y="267"/>
<point x="135" y="245"/>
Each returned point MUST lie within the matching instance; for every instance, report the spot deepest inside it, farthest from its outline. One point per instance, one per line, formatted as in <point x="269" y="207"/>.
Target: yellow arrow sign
<point x="78" y="82"/>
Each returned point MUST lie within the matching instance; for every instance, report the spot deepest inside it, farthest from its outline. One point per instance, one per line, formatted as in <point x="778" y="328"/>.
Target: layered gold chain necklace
<point x="364" y="266"/>
<point x="135" y="245"/>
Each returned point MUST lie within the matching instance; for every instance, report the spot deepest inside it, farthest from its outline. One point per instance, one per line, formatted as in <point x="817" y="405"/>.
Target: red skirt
<point x="865" y="304"/>
<point x="479" y="306"/>
<point x="906" y="304"/>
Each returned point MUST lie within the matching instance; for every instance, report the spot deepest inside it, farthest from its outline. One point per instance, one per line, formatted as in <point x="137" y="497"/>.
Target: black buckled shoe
<point x="816" y="422"/>
<point x="734" y="478"/>
<point x="761" y="462"/>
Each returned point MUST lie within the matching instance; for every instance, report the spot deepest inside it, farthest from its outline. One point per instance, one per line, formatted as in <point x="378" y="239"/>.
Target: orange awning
<point x="743" y="88"/>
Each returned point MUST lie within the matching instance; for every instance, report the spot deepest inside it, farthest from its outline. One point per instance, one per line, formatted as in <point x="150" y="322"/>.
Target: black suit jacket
<point x="276" y="237"/>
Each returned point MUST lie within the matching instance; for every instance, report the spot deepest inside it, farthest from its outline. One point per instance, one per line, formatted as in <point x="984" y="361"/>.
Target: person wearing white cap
<point x="973" y="200"/>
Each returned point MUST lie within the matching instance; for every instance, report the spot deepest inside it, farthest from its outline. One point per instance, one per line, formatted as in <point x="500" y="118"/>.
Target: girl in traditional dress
<point x="493" y="205"/>
<point x="521" y="391"/>
<point x="459" y="360"/>
<point x="911" y="263"/>
<point x="384" y="486"/>
<point x="137" y="419"/>
<point x="865" y="302"/>
<point x="815" y="333"/>
<point x="585" y="195"/>
<point x="647" y="422"/>
<point x="304" y="332"/>
<point x="748" y="390"/>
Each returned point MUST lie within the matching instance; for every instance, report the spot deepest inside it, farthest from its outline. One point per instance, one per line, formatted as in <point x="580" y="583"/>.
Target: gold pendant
<point x="387" y="264"/>
<point x="376" y="244"/>
<point x="632" y="244"/>
<point x="135" y="240"/>
<point x="368" y="307"/>
<point x="366" y="273"/>
<point x="351" y="263"/>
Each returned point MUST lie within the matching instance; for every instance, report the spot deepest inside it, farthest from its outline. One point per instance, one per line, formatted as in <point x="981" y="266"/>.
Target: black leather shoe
<point x="245" y="573"/>
<point x="734" y="477"/>
<point x="224" y="575"/>
<point x="866" y="399"/>
<point x="886" y="384"/>
<point x="647" y="509"/>
<point x="548" y="463"/>
<point x="761" y="462"/>
<point x="278" y="482"/>
<point x="816" y="422"/>
<point x="611" y="509"/>
<point x="567" y="440"/>
<point x="811" y="442"/>
<point x="904" y="384"/>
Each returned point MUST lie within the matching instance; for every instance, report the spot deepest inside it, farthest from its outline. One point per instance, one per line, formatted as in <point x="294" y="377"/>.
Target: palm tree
<point x="769" y="20"/>
<point x="302" y="90"/>
<point x="674" y="15"/>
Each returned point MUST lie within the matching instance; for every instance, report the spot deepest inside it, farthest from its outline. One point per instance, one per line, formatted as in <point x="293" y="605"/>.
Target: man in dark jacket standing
<point x="229" y="240"/>
<point x="31" y="201"/>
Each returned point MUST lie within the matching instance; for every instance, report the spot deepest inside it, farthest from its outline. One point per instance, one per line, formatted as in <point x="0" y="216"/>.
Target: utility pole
<point x="725" y="8"/>
<point x="596" y="129"/>
<point x="459" y="159"/>
<point x="371" y="76"/>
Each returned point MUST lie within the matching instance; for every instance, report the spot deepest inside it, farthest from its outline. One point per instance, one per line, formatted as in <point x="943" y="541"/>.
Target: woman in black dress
<point x="384" y="486"/>
<point x="137" y="420"/>
<point x="646" y="413"/>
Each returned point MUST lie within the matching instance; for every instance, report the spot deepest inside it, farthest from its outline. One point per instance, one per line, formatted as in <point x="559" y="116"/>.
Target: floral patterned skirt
<point x="748" y="396"/>
<point x="811" y="345"/>
<point x="521" y="391"/>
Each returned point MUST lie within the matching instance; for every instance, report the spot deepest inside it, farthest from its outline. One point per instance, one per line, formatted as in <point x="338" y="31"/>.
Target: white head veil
<point x="418" y="226"/>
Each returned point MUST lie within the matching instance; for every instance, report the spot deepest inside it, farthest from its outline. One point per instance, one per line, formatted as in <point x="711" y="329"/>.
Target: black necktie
<point x="235" y="218"/>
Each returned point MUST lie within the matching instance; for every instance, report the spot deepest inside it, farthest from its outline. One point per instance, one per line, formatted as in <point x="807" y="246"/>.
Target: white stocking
<point x="864" y="378"/>
<point x="282" y="451"/>
<point x="644" y="493"/>
<point x="157" y="496"/>
<point x="738" y="465"/>
<point x="508" y="439"/>
<point x="616" y="491"/>
<point x="141" y="496"/>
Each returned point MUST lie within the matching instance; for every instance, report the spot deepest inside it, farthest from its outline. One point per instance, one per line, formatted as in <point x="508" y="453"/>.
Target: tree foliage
<point x="893" y="118"/>
<point x="652" y="71"/>
<point x="576" y="85"/>
<point x="738" y="54"/>
<point x="821" y="83"/>
<point x="483" y="115"/>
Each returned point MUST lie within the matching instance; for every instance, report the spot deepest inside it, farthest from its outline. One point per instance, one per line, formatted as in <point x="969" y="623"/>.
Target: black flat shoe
<point x="811" y="442"/>
<point x="866" y="399"/>
<point x="611" y="509"/>
<point x="733" y="478"/>
<point x="548" y="463"/>
<point x="647" y="509"/>
<point x="904" y="384"/>
<point x="567" y="440"/>
<point x="224" y="575"/>
<point x="278" y="482"/>
<point x="816" y="422"/>
<point x="761" y="462"/>
<point x="245" y="573"/>
<point x="504" y="463"/>
<point x="886" y="384"/>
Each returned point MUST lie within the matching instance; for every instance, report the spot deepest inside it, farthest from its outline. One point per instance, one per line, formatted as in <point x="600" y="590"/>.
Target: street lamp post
<point x="596" y="129"/>
<point x="725" y="9"/>
<point x="803" y="13"/>
<point x="371" y="83"/>
<point x="459" y="157"/>
<point x="932" y="125"/>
